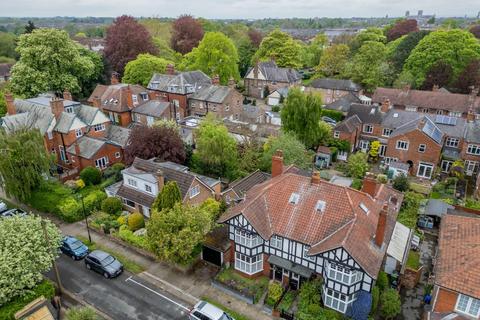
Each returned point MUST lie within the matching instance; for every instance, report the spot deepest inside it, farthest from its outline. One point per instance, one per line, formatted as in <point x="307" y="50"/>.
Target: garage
<point x="215" y="247"/>
<point x="211" y="255"/>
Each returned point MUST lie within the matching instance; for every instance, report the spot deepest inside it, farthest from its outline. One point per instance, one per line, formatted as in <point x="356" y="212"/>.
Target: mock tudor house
<point x="456" y="292"/>
<point x="144" y="179"/>
<point x="117" y="100"/>
<point x="65" y="123"/>
<point x="178" y="87"/>
<point x="267" y="75"/>
<point x="334" y="89"/>
<point x="294" y="227"/>
<point x="151" y="111"/>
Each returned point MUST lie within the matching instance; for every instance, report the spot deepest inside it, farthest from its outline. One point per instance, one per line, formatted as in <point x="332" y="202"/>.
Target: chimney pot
<point x="160" y="180"/>
<point x="97" y="102"/>
<point x="114" y="79"/>
<point x="216" y="80"/>
<point x="9" y="100"/>
<point x="231" y="82"/>
<point x="381" y="225"/>
<point x="67" y="95"/>
<point x="315" y="177"/>
<point x="277" y="163"/>
<point x="385" y="105"/>
<point x="170" y="69"/>
<point x="435" y="88"/>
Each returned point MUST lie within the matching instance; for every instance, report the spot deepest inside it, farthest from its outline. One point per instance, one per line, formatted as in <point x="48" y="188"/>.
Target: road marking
<point x="171" y="285"/>
<point x="157" y="293"/>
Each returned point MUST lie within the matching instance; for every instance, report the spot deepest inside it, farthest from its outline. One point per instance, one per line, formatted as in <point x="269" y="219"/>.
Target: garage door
<point x="212" y="256"/>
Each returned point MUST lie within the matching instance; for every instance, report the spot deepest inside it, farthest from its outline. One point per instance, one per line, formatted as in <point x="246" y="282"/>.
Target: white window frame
<point x="194" y="191"/>
<point x="148" y="188"/>
<point x="364" y="145"/>
<point x="101" y="163"/>
<point x="276" y="242"/>
<point x="424" y="164"/>
<point x="411" y="109"/>
<point x="335" y="300"/>
<point x="99" y="127"/>
<point x="248" y="265"/>
<point x="50" y="135"/>
<point x="367" y="128"/>
<point x="132" y="182"/>
<point x="468" y="305"/>
<point x="150" y="120"/>
<point x="422" y="148"/>
<point x="473" y="149"/>
<point x="134" y="98"/>
<point x="305" y="255"/>
<point x="446" y="165"/>
<point x="386" y="132"/>
<point x="342" y="274"/>
<point x="246" y="239"/>
<point x="402" y="145"/>
<point x="455" y="114"/>
<point x="336" y="134"/>
<point x="78" y="133"/>
<point x="452" y="142"/>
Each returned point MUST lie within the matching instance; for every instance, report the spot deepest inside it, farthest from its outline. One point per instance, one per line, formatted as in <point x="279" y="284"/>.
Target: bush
<point x="391" y="304"/>
<point x="122" y="220"/>
<point x="357" y="165"/>
<point x="375" y="299"/>
<point x="112" y="205"/>
<point x="127" y="235"/>
<point x="70" y="210"/>
<point x="335" y="115"/>
<point x="382" y="178"/>
<point x="135" y="221"/>
<point x="275" y="292"/>
<point x="382" y="281"/>
<point x="83" y="313"/>
<point x="275" y="108"/>
<point x="80" y="184"/>
<point x="93" y="200"/>
<point x="91" y="176"/>
<point x="114" y="171"/>
<point x="101" y="218"/>
<point x="401" y="183"/>
<point x="357" y="184"/>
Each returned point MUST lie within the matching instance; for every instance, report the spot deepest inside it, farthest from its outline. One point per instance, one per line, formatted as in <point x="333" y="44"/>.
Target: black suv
<point x="103" y="263"/>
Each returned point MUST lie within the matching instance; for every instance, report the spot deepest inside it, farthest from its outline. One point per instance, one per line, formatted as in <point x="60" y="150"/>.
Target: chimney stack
<point x="114" y="79"/>
<point x="406" y="88"/>
<point x="97" y="102"/>
<point x="277" y="163"/>
<point x="315" y="177"/>
<point x="386" y="105"/>
<point x="67" y="95"/>
<point x="10" y="103"/>
<point x="77" y="148"/>
<point x="128" y="92"/>
<point x="231" y="82"/>
<point x="381" y="225"/>
<point x="216" y="80"/>
<point x="435" y="88"/>
<point x="160" y="180"/>
<point x="170" y="69"/>
<point x="56" y="104"/>
<point x="369" y="184"/>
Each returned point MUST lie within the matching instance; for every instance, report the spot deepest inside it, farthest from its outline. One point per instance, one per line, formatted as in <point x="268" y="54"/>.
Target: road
<point x="125" y="297"/>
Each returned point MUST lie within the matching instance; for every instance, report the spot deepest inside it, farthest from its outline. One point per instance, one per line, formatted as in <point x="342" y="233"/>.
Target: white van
<point x="206" y="311"/>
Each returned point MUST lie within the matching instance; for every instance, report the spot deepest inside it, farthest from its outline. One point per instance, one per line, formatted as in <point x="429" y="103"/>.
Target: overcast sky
<point x="237" y="8"/>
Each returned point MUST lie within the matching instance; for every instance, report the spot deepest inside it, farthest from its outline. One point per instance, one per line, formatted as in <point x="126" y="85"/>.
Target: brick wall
<point x="204" y="194"/>
<point x="445" y="301"/>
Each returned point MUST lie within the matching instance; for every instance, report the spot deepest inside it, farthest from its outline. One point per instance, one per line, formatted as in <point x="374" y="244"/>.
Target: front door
<point x="294" y="281"/>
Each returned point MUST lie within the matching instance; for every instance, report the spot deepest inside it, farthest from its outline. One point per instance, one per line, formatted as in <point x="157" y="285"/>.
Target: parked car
<point x="206" y="311"/>
<point x="13" y="212"/>
<point x="74" y="248"/>
<point x="3" y="206"/>
<point x="103" y="263"/>
<point x="425" y="222"/>
<point x="329" y="120"/>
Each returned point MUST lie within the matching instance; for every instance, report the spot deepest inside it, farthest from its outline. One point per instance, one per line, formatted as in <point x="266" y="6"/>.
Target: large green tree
<point x="140" y="70"/>
<point x="88" y="82"/>
<point x="25" y="255"/>
<point x="333" y="60"/>
<point x="167" y="197"/>
<point x="301" y="115"/>
<point x="314" y="50"/>
<point x="49" y="61"/>
<point x="280" y="46"/>
<point x="405" y="47"/>
<point x="215" y="55"/>
<point x="23" y="161"/>
<point x="455" y="47"/>
<point x="294" y="151"/>
<point x="370" y="34"/>
<point x="7" y="45"/>
<point x="246" y="50"/>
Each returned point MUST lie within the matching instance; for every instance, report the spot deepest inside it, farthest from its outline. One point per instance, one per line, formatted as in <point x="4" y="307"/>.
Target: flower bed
<point x="246" y="287"/>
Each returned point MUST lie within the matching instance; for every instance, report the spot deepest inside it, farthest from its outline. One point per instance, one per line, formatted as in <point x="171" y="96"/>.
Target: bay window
<point x="335" y="300"/>
<point x="342" y="274"/>
<point x="248" y="265"/>
<point x="246" y="238"/>
<point x="276" y="242"/>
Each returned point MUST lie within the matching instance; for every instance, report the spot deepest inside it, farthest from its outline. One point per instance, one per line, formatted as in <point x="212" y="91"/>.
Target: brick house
<point x="348" y="130"/>
<point x="371" y="124"/>
<point x="222" y="101"/>
<point x="456" y="292"/>
<point x="117" y="100"/>
<point x="267" y="75"/>
<point x="334" y="89"/>
<point x="294" y="227"/>
<point x="178" y="87"/>
<point x="144" y="179"/>
<point x="62" y="123"/>
<point x="470" y="148"/>
<point x="151" y="111"/>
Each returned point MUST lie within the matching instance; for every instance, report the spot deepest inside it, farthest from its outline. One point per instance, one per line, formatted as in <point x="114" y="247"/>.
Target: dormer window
<point x="294" y="198"/>
<point x="320" y="206"/>
<point x="144" y="96"/>
<point x="364" y="208"/>
<point x="69" y="109"/>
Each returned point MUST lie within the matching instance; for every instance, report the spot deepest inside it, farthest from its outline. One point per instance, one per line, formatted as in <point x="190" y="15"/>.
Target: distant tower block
<point x="478" y="15"/>
<point x="407" y="13"/>
<point x="420" y="13"/>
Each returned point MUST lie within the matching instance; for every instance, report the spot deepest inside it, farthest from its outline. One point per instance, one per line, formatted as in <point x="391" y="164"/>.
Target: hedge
<point x="335" y="115"/>
<point x="44" y="288"/>
<point x="138" y="241"/>
<point x="91" y="176"/>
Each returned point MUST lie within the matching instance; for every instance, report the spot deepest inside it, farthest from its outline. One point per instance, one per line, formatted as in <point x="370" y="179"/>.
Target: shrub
<point x="81" y="313"/>
<point x="93" y="200"/>
<point x="390" y="304"/>
<point x="122" y="220"/>
<point x="335" y="115"/>
<point x="275" y="292"/>
<point x="112" y="205"/>
<point x="80" y="184"/>
<point x="375" y="299"/>
<point x="310" y="295"/>
<point x="101" y="218"/>
<point x="401" y="183"/>
<point x="135" y="221"/>
<point x="382" y="281"/>
<point x="357" y="184"/>
<point x="382" y="178"/>
<point x="275" y="108"/>
<point x="127" y="235"/>
<point x="91" y="176"/>
<point x="70" y="210"/>
<point x="114" y="171"/>
<point x="357" y="165"/>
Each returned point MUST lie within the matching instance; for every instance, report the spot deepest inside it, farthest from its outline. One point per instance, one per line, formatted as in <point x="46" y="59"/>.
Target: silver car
<point x="206" y="311"/>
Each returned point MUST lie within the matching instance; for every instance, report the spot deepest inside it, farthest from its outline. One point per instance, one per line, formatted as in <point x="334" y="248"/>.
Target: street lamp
<point x="85" y="217"/>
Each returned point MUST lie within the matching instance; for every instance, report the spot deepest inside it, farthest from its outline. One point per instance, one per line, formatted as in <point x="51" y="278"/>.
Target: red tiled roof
<point x="342" y="224"/>
<point x="115" y="96"/>
<point x="458" y="262"/>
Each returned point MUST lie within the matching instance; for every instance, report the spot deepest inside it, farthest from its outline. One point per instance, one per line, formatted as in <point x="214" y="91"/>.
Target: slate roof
<point x="423" y="123"/>
<point x="342" y="223"/>
<point x="428" y="99"/>
<point x="115" y="97"/>
<point x="88" y="147"/>
<point x="343" y="104"/>
<point x="178" y="83"/>
<point x="29" y="115"/>
<point x="472" y="132"/>
<point x="458" y="257"/>
<point x="153" y="108"/>
<point x="274" y="73"/>
<point x="118" y="135"/>
<point x="366" y="113"/>
<point x="241" y="186"/>
<point x="349" y="125"/>
<point x="214" y="94"/>
<point x="335" y="84"/>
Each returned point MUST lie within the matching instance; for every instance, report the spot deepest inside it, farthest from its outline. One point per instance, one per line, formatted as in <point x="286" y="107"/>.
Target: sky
<point x="226" y="9"/>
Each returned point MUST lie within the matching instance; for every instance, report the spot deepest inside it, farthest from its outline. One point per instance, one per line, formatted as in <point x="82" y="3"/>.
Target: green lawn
<point x="129" y="264"/>
<point x="420" y="188"/>
<point x="413" y="260"/>
<point x="255" y="287"/>
<point x="235" y="315"/>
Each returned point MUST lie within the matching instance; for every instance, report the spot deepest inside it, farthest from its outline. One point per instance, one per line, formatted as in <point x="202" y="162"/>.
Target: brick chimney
<point x="77" y="148"/>
<point x="277" y="163"/>
<point x="10" y="103"/>
<point x="170" y="69"/>
<point x="56" y="104"/>
<point x="216" y="80"/>
<point x="381" y="225"/>
<point x="315" y="177"/>
<point x="435" y="88"/>
<point x="160" y="180"/>
<point x="128" y="93"/>
<point x="406" y="88"/>
<point x="114" y="78"/>
<point x="369" y="184"/>
<point x="231" y="83"/>
<point x="255" y="70"/>
<point x="386" y="105"/>
<point x="67" y="95"/>
<point x="97" y="102"/>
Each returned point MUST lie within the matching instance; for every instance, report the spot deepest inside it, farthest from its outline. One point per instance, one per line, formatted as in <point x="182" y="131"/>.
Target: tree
<point x="125" y="40"/>
<point x="91" y="176"/>
<point x="186" y="34"/>
<point x="469" y="77"/>
<point x="25" y="255"/>
<point x="401" y="28"/>
<point x="405" y="47"/>
<point x="112" y="205"/>
<point x="216" y="151"/>
<point x="301" y="115"/>
<point x="369" y="35"/>
<point x="475" y="30"/>
<point x="215" y="55"/>
<point x="246" y="50"/>
<point x="135" y="221"/>
<point x="23" y="162"/>
<point x="81" y="313"/>
<point x="88" y="82"/>
<point x="30" y="27"/>
<point x="455" y="47"/>
<point x="281" y="47"/>
<point x="161" y="141"/>
<point x="401" y="183"/>
<point x="174" y="234"/>
<point x="374" y="150"/>
<point x="7" y="45"/>
<point x="382" y="281"/>
<point x="440" y="74"/>
<point x="333" y="60"/>
<point x="255" y="37"/>
<point x="405" y="79"/>
<point x="168" y="197"/>
<point x="49" y="61"/>
<point x="294" y="152"/>
<point x="315" y="49"/>
<point x="357" y="165"/>
<point x="140" y="70"/>
<point x="390" y="304"/>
